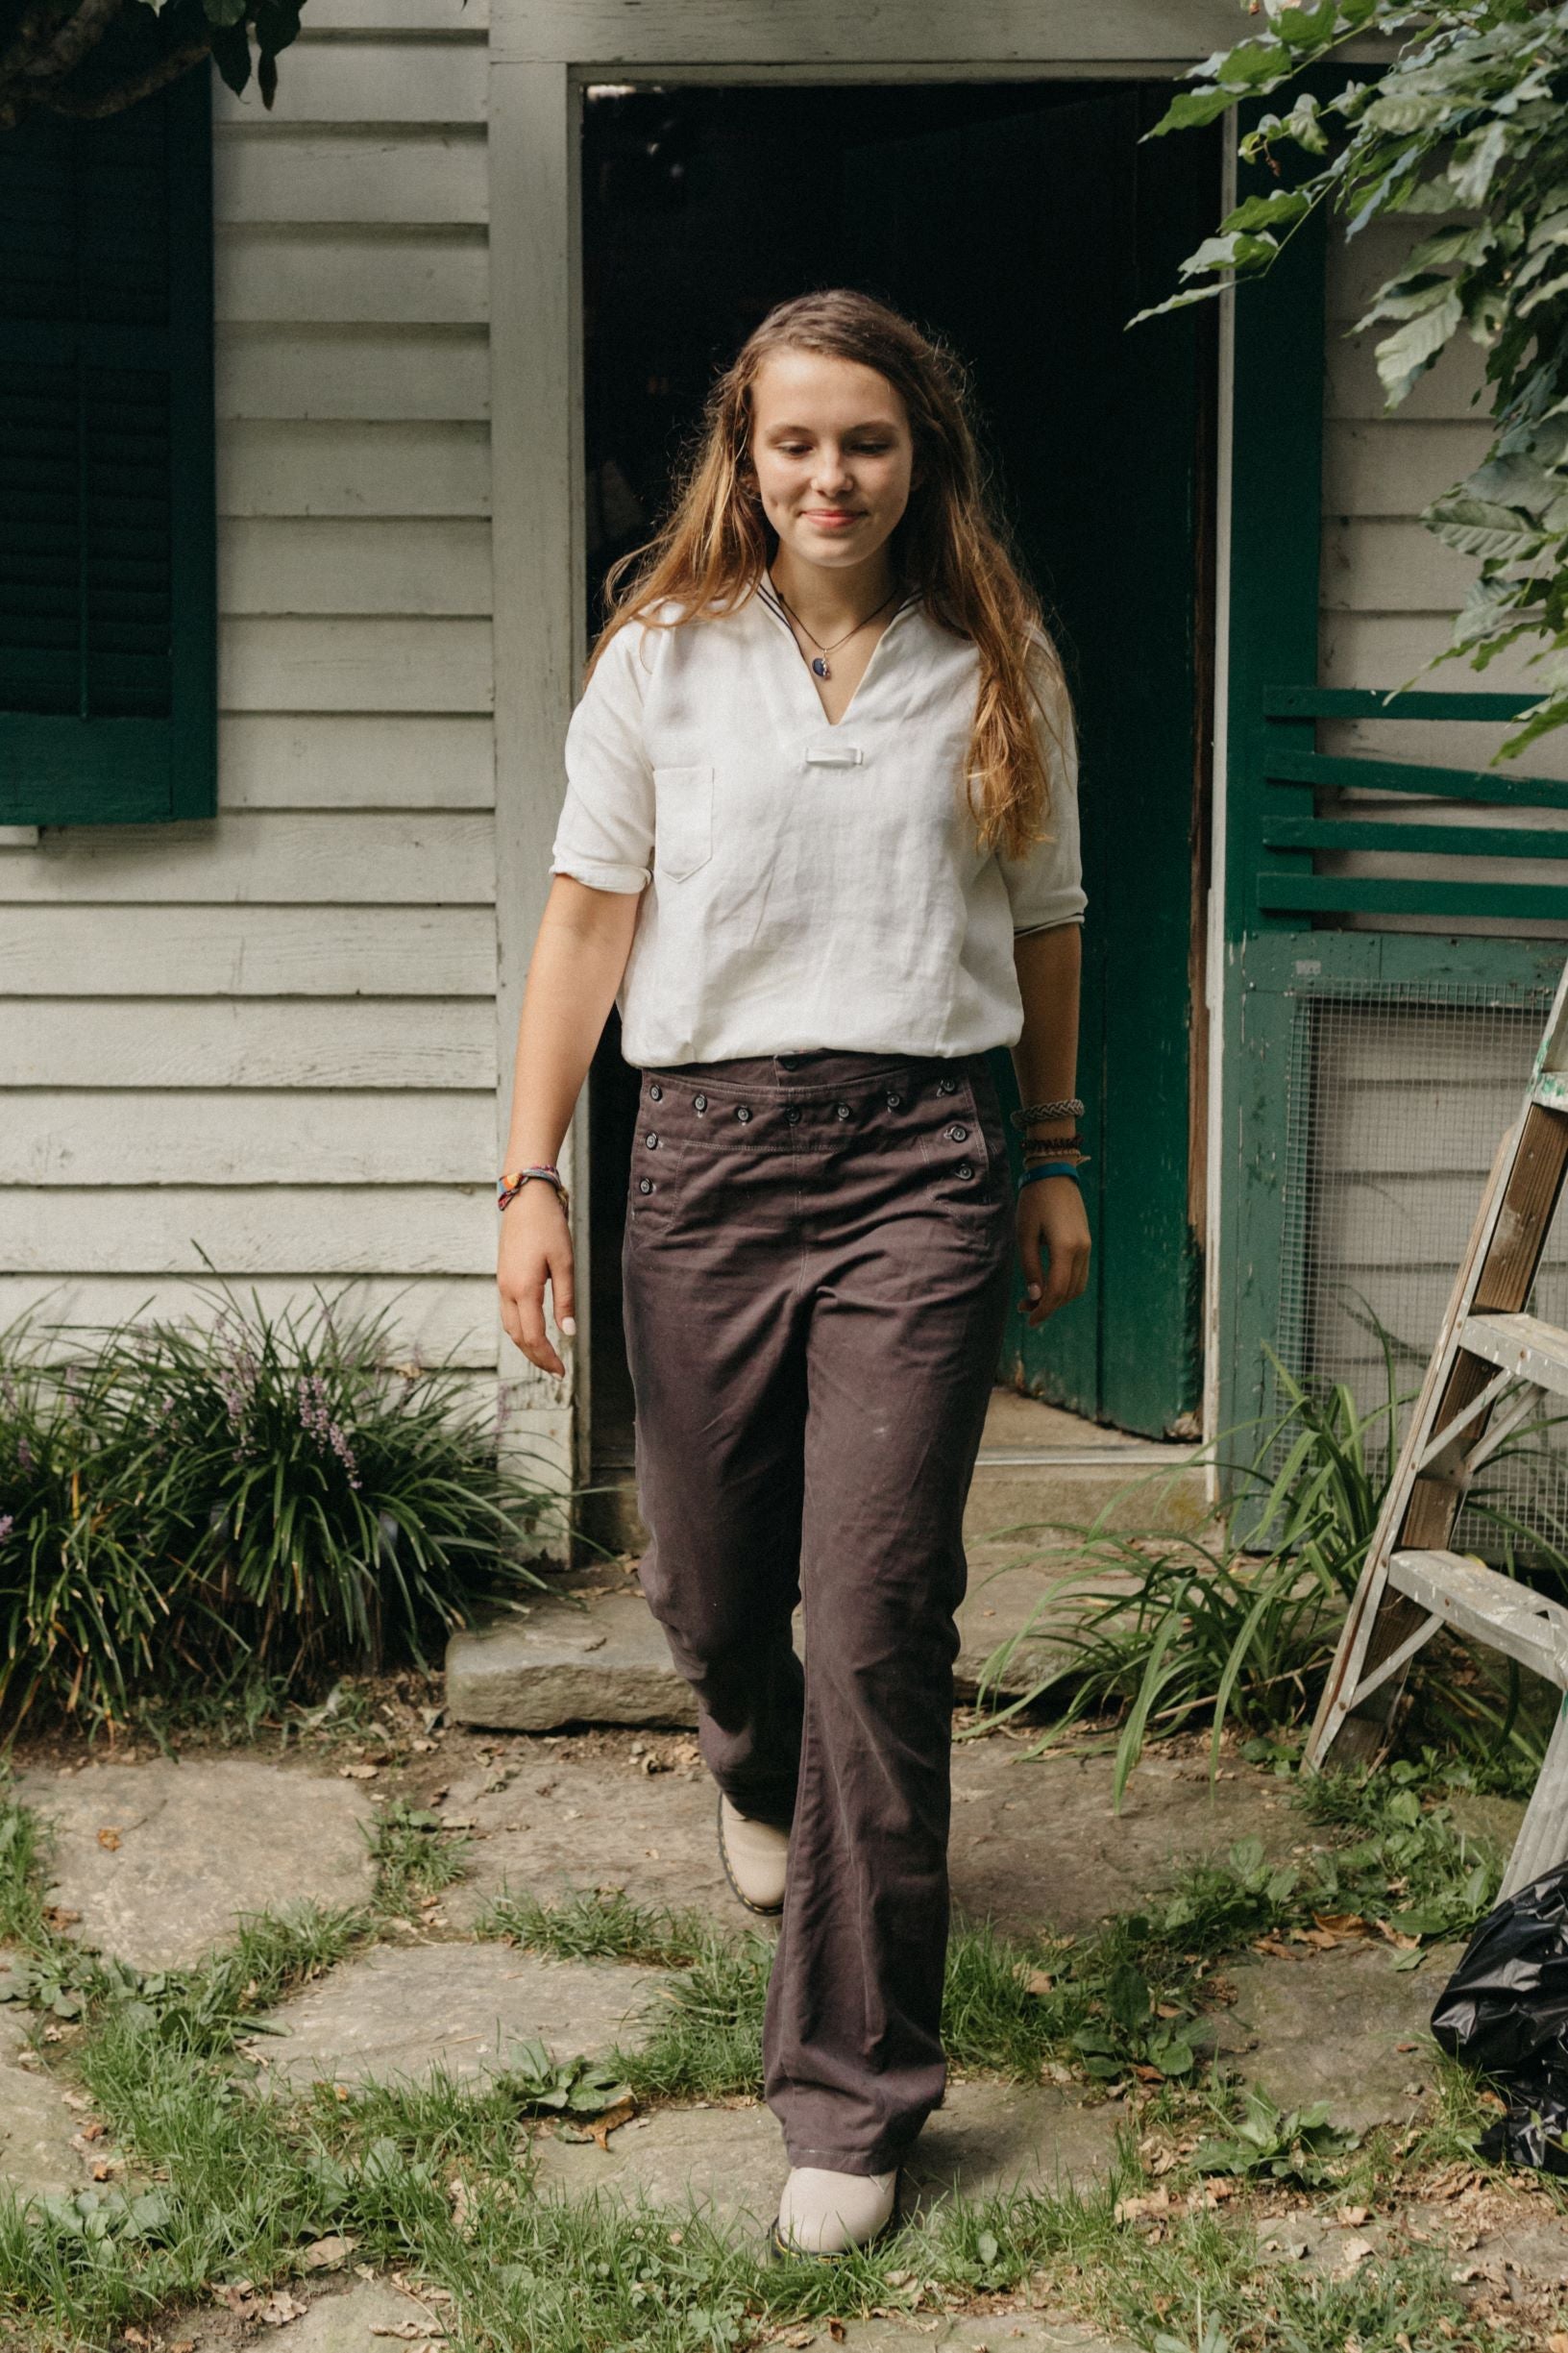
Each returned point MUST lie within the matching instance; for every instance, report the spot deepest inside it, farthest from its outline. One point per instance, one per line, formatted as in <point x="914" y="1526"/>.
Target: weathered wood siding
<point x="1390" y="588"/>
<point x="272" y="1035"/>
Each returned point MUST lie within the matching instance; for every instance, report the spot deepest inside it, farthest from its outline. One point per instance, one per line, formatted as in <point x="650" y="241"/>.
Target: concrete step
<point x="1037" y="1468"/>
<point x="594" y="1653"/>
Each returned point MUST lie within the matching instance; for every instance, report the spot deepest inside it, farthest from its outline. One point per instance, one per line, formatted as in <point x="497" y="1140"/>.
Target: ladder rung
<point x="1522" y="1345"/>
<point x="1495" y="1609"/>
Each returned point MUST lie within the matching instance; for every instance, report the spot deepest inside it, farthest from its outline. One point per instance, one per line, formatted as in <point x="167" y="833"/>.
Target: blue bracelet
<point x="1051" y="1167"/>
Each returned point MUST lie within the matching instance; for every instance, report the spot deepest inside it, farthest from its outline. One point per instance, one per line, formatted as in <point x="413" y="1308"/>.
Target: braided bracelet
<point x="510" y="1185"/>
<point x="1069" y="1108"/>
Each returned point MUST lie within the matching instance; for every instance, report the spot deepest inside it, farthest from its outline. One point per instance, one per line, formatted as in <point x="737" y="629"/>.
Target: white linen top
<point x="807" y="885"/>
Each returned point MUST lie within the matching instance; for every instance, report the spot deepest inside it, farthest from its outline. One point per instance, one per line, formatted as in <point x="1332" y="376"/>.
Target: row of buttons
<point x="956" y="1132"/>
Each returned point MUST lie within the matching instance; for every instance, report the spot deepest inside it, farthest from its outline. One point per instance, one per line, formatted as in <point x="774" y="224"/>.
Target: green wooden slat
<point x="1366" y="702"/>
<point x="1376" y="895"/>
<point x="1327" y="770"/>
<point x="1324" y="833"/>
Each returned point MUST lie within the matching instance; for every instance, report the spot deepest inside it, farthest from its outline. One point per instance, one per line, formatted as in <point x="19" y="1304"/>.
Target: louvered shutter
<point x="107" y="689"/>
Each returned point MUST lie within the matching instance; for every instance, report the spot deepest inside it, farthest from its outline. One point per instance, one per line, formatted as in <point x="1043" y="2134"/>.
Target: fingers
<point x="521" y="1286"/>
<point x="1054" y="1247"/>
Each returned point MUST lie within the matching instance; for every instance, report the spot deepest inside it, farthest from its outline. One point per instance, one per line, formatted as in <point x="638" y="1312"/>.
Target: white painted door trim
<point x="543" y="54"/>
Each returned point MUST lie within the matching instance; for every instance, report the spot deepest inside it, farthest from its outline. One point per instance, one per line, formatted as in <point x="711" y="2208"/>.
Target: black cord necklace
<point x="819" y="660"/>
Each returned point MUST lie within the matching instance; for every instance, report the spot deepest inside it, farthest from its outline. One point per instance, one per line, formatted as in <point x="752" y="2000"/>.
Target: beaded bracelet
<point x="511" y="1184"/>
<point x="1052" y="1168"/>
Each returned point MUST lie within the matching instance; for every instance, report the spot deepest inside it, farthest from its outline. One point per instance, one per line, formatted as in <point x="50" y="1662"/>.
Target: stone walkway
<point x="158" y="1861"/>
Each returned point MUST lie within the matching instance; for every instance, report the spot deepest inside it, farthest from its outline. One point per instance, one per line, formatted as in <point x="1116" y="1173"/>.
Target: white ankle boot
<point x="754" y="1854"/>
<point x="827" y="2214"/>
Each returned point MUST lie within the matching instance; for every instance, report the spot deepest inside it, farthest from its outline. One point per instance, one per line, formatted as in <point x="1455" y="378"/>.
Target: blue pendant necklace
<point x="819" y="660"/>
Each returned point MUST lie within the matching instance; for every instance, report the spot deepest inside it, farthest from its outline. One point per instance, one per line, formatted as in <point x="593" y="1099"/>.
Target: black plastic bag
<point x="1505" y="2013"/>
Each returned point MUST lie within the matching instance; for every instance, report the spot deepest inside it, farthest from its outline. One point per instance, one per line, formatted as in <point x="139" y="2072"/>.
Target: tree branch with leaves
<point x="1466" y="125"/>
<point x="92" y="57"/>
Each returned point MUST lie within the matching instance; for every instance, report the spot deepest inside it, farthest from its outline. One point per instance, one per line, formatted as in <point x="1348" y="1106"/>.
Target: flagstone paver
<point x="728" y="2158"/>
<point x="984" y="2332"/>
<point x="1035" y="1841"/>
<point x="399" y="2013"/>
<point x="35" y="2125"/>
<point x="364" y="2316"/>
<point x="160" y="1860"/>
<point x="1329" y="2026"/>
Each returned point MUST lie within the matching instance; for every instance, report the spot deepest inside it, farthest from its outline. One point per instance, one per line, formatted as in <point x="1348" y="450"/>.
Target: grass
<point x="1164" y="1632"/>
<point x="439" y="2179"/>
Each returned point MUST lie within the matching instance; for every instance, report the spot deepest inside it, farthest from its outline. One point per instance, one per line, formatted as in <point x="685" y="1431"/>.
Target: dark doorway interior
<point x="1026" y="223"/>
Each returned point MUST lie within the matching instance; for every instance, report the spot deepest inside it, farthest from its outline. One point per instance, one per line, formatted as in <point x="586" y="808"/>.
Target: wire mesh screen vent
<point x="1397" y="1096"/>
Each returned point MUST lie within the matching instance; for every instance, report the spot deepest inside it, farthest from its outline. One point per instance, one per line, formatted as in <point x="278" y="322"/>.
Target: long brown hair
<point x="951" y="545"/>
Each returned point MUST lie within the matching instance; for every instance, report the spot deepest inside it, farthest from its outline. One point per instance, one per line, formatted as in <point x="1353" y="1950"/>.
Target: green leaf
<point x="1190" y="110"/>
<point x="1128" y="1998"/>
<point x="1411" y="349"/>
<point x="1279" y="210"/>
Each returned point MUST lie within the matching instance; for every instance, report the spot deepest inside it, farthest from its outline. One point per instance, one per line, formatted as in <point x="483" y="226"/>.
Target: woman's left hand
<point x="1053" y="1243"/>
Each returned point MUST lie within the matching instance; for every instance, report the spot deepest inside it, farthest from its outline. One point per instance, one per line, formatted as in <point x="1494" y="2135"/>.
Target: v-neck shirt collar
<point x="771" y="602"/>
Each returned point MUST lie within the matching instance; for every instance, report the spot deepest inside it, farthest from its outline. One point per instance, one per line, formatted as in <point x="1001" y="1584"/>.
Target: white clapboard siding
<point x="462" y="20"/>
<point x="271" y="467"/>
<point x="351" y="760"/>
<point x="158" y="1046"/>
<point x="380" y="179"/>
<point x="447" y="1318"/>
<point x="1388" y="466"/>
<point x="283" y="1017"/>
<point x="392" y="80"/>
<point x="339" y="275"/>
<point x="377" y="374"/>
<point x="251" y="1228"/>
<point x="159" y="950"/>
<point x="277" y="858"/>
<point x="265" y="1136"/>
<point x="1388" y="564"/>
<point x="1454" y="391"/>
<point x="278" y="564"/>
<point x="354" y="664"/>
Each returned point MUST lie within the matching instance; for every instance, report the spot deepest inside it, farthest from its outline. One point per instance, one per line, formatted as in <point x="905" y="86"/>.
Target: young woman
<point x="818" y="843"/>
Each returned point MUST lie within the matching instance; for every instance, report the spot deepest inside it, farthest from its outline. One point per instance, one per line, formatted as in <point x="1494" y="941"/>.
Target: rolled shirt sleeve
<point x="1046" y="885"/>
<point x="604" y="833"/>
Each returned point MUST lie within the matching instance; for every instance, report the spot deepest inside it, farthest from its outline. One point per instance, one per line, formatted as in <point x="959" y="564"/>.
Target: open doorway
<point x="1026" y="222"/>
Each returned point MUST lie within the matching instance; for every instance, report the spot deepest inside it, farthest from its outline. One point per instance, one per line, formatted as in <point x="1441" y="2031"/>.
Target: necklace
<point x="819" y="660"/>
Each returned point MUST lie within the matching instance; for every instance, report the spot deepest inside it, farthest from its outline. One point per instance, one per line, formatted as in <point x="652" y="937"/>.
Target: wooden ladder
<point x="1487" y="1377"/>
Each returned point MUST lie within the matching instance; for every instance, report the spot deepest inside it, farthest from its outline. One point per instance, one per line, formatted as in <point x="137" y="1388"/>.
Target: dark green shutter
<point x="107" y="594"/>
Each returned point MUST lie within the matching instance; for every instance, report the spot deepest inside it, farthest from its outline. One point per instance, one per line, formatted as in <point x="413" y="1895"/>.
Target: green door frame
<point x="1280" y="803"/>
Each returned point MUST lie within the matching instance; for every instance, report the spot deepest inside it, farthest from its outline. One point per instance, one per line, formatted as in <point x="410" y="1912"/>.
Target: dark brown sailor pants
<point x="817" y="1270"/>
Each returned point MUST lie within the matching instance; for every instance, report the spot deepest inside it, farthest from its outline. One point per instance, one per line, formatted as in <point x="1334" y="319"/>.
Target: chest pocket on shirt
<point x="682" y="820"/>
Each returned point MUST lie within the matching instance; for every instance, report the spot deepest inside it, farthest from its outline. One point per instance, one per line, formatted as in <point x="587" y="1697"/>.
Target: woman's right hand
<point x="535" y="1242"/>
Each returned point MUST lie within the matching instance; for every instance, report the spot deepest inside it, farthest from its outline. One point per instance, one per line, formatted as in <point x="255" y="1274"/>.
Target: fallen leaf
<point x="94" y="2131"/>
<point x="280" y="2309"/>
<point x="1352" y="2215"/>
<point x="798" y="2337"/>
<point x="1558" y="2341"/>
<point x="1038" y="1981"/>
<point x="1276" y="1952"/>
<point x="836" y="2331"/>
<point x="1353" y="2251"/>
<point x="328" y="2254"/>
<point x="1134" y="2209"/>
<point x="109" y="1839"/>
<point x="357" y="1772"/>
<point x="60" y="1916"/>
<point x="1404" y="1943"/>
<point x="1342" y="1924"/>
<point x="604" y="2126"/>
